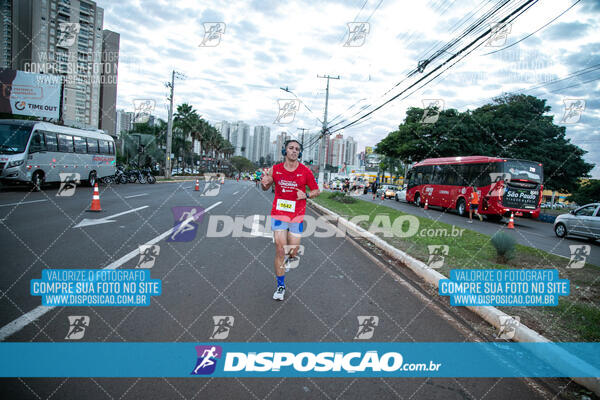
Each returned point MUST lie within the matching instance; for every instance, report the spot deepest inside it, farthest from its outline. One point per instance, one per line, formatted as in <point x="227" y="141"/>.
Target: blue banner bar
<point x="300" y="359"/>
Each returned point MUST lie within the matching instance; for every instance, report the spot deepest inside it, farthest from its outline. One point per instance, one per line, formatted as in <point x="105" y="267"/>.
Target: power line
<point x="534" y="32"/>
<point x="506" y="19"/>
<point x="423" y="64"/>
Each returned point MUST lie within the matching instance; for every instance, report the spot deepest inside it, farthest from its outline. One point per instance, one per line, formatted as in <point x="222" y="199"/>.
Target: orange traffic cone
<point x="426" y="204"/>
<point x="197" y="186"/>
<point x="511" y="221"/>
<point x="95" y="200"/>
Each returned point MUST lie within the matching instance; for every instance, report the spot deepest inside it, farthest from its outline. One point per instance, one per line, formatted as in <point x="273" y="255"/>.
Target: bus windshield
<point x="13" y="138"/>
<point x="523" y="170"/>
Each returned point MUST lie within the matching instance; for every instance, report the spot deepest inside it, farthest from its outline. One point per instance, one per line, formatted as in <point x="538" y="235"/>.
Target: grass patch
<point x="473" y="250"/>
<point x="583" y="319"/>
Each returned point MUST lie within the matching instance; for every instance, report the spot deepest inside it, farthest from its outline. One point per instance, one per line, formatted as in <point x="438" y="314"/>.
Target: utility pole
<point x="302" y="138"/>
<point x="324" y="135"/>
<point x="170" y="85"/>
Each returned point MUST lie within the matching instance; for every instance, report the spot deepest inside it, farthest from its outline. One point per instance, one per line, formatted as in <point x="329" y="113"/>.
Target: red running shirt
<point x="286" y="207"/>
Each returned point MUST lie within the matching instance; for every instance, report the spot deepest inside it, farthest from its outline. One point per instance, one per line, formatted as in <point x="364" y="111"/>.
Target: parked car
<point x="401" y="194"/>
<point x="583" y="221"/>
<point x="387" y="191"/>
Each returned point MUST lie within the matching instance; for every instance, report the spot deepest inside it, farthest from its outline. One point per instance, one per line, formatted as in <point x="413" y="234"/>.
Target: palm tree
<point x="184" y="122"/>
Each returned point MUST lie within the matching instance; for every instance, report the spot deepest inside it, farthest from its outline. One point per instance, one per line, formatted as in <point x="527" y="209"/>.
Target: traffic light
<point x="310" y="162"/>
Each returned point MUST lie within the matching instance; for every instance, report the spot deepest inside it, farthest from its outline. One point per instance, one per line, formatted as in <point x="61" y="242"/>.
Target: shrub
<point x="504" y="245"/>
<point x="342" y="198"/>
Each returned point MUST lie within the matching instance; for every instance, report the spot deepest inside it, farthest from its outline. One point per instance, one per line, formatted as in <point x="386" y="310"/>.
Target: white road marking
<point x="136" y="195"/>
<point x="25" y="319"/>
<point x="22" y="202"/>
<point x="88" y="222"/>
<point x="236" y="193"/>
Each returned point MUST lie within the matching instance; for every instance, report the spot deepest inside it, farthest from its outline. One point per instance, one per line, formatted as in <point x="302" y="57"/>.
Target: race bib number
<point x="286" y="205"/>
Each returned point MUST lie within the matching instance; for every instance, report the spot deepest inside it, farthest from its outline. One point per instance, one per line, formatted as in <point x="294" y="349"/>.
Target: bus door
<point x="39" y="156"/>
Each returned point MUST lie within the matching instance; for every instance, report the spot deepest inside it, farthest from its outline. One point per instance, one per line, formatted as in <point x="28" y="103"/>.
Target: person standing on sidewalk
<point x="374" y="189"/>
<point x="289" y="205"/>
<point x="474" y="205"/>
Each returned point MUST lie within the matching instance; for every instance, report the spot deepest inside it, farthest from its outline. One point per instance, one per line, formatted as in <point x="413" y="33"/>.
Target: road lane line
<point x="22" y="202"/>
<point x="236" y="192"/>
<point x="15" y="326"/>
<point x="136" y="195"/>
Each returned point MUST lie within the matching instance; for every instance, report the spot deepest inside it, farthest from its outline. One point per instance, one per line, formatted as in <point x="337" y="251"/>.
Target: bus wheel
<point x="417" y="200"/>
<point x="92" y="178"/>
<point x="461" y="208"/>
<point x="37" y="180"/>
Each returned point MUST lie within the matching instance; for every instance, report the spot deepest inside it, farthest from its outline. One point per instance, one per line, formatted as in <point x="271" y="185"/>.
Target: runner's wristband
<point x="308" y="195"/>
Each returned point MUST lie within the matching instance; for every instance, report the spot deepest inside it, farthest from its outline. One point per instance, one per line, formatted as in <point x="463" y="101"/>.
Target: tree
<point x="242" y="164"/>
<point x="586" y="192"/>
<point x="512" y="126"/>
<point x="185" y="123"/>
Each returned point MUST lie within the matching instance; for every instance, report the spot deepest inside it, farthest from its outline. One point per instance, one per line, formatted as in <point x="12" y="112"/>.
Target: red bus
<point x="505" y="185"/>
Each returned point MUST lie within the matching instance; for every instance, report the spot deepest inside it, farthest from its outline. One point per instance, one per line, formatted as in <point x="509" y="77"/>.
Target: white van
<point x="37" y="152"/>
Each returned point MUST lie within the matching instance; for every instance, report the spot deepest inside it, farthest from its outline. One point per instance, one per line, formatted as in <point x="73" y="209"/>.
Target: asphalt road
<point x="337" y="280"/>
<point x="528" y="232"/>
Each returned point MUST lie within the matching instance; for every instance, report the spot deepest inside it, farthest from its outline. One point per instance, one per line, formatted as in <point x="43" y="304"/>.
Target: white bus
<point x="36" y="152"/>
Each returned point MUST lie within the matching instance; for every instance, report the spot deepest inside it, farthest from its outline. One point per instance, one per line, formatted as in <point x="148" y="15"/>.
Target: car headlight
<point x="15" y="163"/>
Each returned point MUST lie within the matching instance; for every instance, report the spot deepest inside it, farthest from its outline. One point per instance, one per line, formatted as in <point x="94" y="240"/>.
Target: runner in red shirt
<point x="290" y="178"/>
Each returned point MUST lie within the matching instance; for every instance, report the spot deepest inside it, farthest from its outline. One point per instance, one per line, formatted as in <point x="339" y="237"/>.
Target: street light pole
<point x="324" y="135"/>
<point x="170" y="85"/>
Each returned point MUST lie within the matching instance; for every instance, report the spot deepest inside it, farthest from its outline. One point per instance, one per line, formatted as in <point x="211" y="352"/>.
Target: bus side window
<point x="80" y="145"/>
<point x="51" y="142"/>
<point x="104" y="147"/>
<point x="450" y="175"/>
<point x="438" y="175"/>
<point x="111" y="147"/>
<point x="65" y="143"/>
<point x="461" y="174"/>
<point x="410" y="179"/>
<point x="92" y="146"/>
<point x="37" y="143"/>
<point x="427" y="174"/>
<point x="484" y="176"/>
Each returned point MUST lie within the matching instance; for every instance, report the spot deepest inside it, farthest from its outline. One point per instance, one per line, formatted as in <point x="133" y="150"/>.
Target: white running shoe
<point x="279" y="293"/>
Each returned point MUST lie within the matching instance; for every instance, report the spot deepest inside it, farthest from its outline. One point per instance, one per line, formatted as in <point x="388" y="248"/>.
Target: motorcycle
<point x="134" y="174"/>
<point x="150" y="178"/>
<point x="120" y="176"/>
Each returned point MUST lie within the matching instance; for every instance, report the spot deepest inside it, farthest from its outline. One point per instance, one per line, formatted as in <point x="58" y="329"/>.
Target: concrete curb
<point x="490" y="314"/>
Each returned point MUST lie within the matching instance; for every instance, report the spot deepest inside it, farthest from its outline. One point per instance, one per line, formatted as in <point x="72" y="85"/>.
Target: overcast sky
<point x="269" y="44"/>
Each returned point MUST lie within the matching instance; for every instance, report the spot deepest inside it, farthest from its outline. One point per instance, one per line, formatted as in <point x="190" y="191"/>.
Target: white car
<point x="401" y="194"/>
